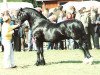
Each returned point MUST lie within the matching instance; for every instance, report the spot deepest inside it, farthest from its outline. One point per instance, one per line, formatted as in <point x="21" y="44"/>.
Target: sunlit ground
<point x="58" y="62"/>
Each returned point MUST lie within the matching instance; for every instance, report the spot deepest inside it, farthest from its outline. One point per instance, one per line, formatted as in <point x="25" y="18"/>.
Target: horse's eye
<point x="19" y="16"/>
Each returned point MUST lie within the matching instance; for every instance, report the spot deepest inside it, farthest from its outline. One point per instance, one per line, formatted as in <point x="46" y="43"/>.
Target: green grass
<point x="58" y="62"/>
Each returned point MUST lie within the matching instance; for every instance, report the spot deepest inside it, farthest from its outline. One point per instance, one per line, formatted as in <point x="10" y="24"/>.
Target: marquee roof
<point x="79" y="5"/>
<point x="15" y="5"/>
<point x="46" y="0"/>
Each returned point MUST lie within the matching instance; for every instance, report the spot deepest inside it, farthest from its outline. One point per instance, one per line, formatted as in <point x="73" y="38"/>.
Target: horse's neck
<point x="39" y="20"/>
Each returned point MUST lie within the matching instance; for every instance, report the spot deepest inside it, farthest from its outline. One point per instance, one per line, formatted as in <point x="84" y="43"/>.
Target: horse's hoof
<point x="37" y="63"/>
<point x="88" y="61"/>
<point x="43" y="62"/>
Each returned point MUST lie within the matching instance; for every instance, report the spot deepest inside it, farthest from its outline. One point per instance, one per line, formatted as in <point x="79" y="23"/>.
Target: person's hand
<point x="12" y="31"/>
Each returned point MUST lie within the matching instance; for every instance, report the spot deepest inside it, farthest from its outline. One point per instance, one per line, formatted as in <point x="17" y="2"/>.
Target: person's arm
<point x="13" y="27"/>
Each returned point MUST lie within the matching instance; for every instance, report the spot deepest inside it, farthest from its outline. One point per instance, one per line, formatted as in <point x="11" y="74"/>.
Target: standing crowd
<point x="90" y="17"/>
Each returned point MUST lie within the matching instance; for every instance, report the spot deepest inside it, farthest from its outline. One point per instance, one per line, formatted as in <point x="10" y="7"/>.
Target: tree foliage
<point x="30" y="1"/>
<point x="34" y="2"/>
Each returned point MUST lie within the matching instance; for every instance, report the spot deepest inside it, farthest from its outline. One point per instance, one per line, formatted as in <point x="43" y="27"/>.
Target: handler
<point x="7" y="31"/>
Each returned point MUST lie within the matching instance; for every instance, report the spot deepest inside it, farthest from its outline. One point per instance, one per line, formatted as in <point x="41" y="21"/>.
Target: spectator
<point x="30" y="39"/>
<point x="92" y="24"/>
<point x="53" y="19"/>
<point x="34" y="43"/>
<point x="1" y="22"/>
<point x="97" y="32"/>
<point x="60" y="19"/>
<point x="45" y="12"/>
<point x="16" y="37"/>
<point x="39" y="9"/>
<point x="70" y="15"/>
<point x="22" y="38"/>
<point x="7" y="32"/>
<point x="50" y="45"/>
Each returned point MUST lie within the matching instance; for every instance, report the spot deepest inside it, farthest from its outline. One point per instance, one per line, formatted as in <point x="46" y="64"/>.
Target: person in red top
<point x="70" y="15"/>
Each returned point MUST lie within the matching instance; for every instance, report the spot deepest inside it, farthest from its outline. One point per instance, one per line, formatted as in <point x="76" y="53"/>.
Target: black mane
<point x="35" y="11"/>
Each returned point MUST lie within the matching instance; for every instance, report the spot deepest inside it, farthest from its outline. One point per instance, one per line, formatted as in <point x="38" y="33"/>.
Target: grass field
<point x="58" y="62"/>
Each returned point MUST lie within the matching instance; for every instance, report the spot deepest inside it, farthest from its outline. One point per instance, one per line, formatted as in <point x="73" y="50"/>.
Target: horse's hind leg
<point x="38" y="62"/>
<point x="88" y="58"/>
<point x="42" y="58"/>
<point x="38" y="58"/>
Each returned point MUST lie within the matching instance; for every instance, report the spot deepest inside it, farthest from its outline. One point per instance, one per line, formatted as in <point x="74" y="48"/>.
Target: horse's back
<point x="73" y="22"/>
<point x="72" y="28"/>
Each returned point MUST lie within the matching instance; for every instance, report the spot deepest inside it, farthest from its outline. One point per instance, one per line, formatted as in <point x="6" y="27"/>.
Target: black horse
<point x="45" y="31"/>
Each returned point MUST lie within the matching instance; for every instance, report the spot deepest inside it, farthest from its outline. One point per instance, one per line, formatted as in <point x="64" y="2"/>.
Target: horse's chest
<point x="43" y="34"/>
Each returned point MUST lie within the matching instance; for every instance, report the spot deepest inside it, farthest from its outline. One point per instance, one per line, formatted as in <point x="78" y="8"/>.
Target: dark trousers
<point x="96" y="36"/>
<point x="17" y="43"/>
<point x="50" y="45"/>
<point x="96" y="40"/>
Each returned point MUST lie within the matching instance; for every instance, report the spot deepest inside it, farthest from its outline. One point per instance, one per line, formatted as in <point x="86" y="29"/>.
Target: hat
<point x="6" y="18"/>
<point x="70" y="9"/>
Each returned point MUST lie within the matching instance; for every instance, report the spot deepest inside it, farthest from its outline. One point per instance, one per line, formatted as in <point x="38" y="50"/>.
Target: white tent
<point x="16" y="5"/>
<point x="79" y="5"/>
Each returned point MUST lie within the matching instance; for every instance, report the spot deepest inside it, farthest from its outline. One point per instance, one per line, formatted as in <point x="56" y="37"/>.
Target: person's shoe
<point x="14" y="66"/>
<point x="29" y="50"/>
<point x="10" y="67"/>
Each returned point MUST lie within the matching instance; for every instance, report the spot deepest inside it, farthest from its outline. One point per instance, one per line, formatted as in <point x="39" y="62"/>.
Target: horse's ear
<point x="21" y="9"/>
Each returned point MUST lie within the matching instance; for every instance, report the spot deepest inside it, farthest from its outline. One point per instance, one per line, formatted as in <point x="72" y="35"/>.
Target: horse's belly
<point x="53" y="38"/>
<point x="49" y="38"/>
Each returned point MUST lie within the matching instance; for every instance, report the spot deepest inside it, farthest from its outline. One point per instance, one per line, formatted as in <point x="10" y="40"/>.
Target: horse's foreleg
<point x="42" y="55"/>
<point x="38" y="62"/>
<point x="42" y="58"/>
<point x="88" y="58"/>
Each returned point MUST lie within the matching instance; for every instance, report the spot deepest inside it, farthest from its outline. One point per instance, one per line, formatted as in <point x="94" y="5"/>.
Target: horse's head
<point x="22" y="16"/>
<point x="29" y="14"/>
